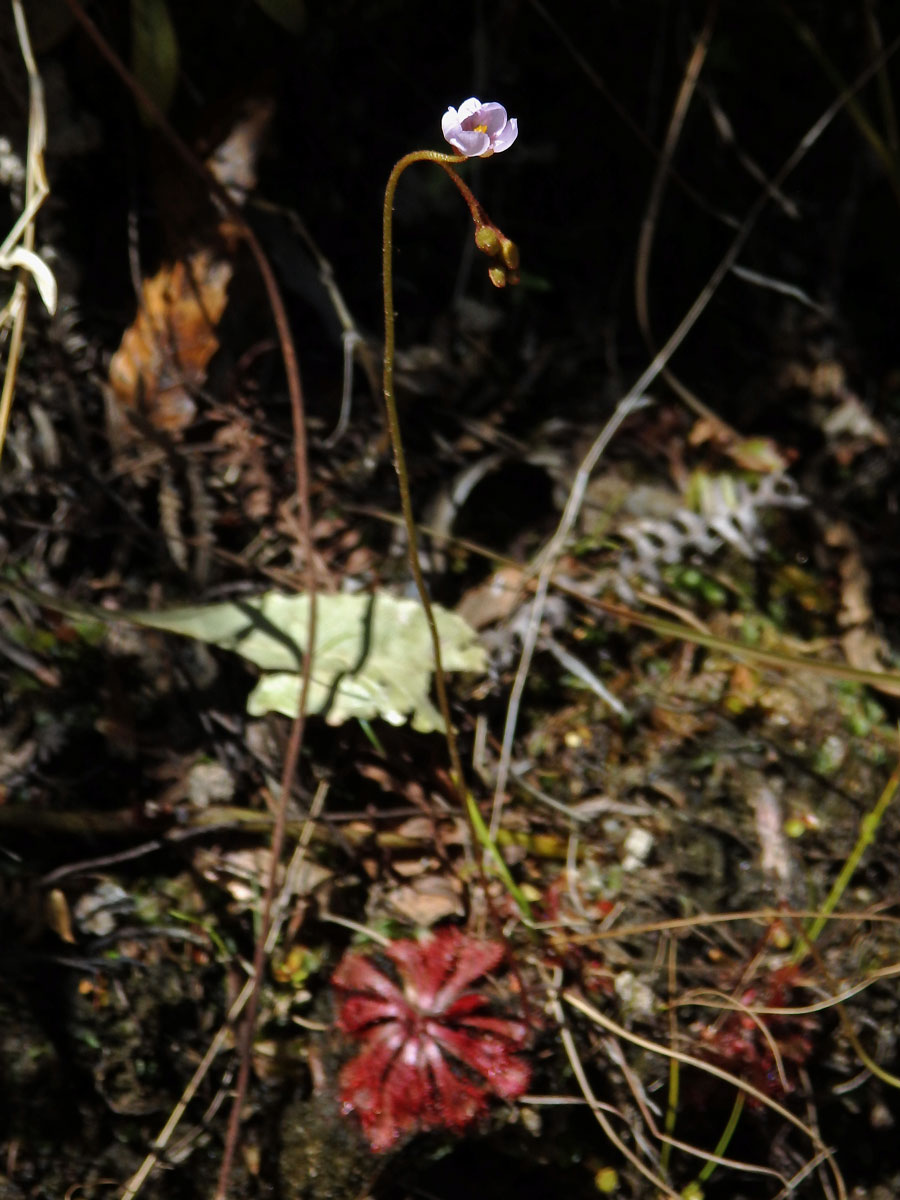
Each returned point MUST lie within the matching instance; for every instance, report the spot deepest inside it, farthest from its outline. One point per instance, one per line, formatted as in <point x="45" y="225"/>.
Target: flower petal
<point x="472" y="145"/>
<point x="491" y="115"/>
<point x="505" y="138"/>
<point x="468" y="108"/>
<point x="495" y="118"/>
<point x="450" y="122"/>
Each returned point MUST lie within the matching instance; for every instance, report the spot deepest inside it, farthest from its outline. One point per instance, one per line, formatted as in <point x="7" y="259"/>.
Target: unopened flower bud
<point x="497" y="276"/>
<point x="487" y="241"/>
<point x="510" y="252"/>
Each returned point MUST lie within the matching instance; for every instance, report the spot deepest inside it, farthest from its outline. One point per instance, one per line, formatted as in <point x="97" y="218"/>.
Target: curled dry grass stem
<point x="702" y="920"/>
<point x="697" y="998"/>
<point x="814" y="1164"/>
<point x="849" y="1030"/>
<point x="596" y="1108"/>
<point x="576" y="1001"/>
<point x="669" y="1141"/>
<point x="732" y="1004"/>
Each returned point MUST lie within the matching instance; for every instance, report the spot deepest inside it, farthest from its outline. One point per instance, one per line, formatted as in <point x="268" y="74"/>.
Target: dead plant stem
<point x="295" y="393"/>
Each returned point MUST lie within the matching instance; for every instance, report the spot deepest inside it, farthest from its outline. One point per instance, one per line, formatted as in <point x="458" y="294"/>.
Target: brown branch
<point x="295" y="393"/>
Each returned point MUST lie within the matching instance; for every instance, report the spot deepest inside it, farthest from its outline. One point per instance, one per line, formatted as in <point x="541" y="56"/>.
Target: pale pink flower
<point x="432" y="1053"/>
<point x="479" y="130"/>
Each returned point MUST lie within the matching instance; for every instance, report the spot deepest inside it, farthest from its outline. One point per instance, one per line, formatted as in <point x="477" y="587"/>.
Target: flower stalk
<point x="393" y="423"/>
<point x="475" y="129"/>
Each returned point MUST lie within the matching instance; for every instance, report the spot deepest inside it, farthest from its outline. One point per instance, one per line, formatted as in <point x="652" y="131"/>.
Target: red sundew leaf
<point x="405" y="1076"/>
<point x="488" y="1057"/>
<point x="510" y="1078"/>
<point x="407" y="1087"/>
<point x="390" y="1092"/>
<point x="358" y="1012"/>
<point x="459" y="1010"/>
<point x="423" y="966"/>
<point x="513" y="1031"/>
<point x="457" y="1101"/>
<point x="475" y="960"/>
<point x="362" y="1079"/>
<point x="356" y="973"/>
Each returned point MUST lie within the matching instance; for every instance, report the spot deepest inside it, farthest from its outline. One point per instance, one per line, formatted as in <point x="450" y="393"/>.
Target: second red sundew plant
<point x="432" y="1053"/>
<point x="766" y="1048"/>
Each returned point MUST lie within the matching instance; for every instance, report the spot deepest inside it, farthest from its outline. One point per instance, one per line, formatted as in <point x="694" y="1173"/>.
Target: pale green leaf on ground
<point x="372" y="658"/>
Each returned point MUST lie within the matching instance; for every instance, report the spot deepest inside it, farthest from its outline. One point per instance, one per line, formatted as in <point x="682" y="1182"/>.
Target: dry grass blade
<point x="614" y="1051"/>
<point x="651" y="216"/>
<point x="17" y="250"/>
<point x="597" y="1109"/>
<point x="593" y="1014"/>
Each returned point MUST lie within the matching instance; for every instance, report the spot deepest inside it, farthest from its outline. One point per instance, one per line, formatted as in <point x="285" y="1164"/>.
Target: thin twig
<point x="298" y="417"/>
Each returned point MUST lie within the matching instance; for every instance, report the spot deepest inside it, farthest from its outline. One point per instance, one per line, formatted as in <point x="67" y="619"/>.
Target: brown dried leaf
<point x="163" y="356"/>
<point x="428" y="899"/>
<point x="494" y="600"/>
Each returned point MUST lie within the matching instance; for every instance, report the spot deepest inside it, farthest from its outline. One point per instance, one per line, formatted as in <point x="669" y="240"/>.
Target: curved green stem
<point x="393" y="422"/>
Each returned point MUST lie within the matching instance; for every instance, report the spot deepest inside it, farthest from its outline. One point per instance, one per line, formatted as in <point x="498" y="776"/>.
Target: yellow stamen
<point x="480" y="129"/>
